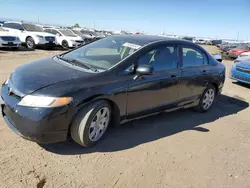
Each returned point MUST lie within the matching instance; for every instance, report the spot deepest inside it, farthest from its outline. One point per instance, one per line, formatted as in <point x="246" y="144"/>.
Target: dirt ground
<point x="182" y="149"/>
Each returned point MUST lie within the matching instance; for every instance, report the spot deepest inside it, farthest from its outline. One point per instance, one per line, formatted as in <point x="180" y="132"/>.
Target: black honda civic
<point x="80" y="93"/>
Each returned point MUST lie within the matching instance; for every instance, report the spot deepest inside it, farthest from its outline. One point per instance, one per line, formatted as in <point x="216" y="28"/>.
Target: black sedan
<point x="82" y="92"/>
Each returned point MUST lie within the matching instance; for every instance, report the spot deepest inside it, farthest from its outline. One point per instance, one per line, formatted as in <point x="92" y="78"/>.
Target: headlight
<point x="39" y="36"/>
<point x="17" y="39"/>
<point x="6" y="81"/>
<point x="44" y="102"/>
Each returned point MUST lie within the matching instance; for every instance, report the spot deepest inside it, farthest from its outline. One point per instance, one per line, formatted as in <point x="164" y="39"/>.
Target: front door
<point x="157" y="90"/>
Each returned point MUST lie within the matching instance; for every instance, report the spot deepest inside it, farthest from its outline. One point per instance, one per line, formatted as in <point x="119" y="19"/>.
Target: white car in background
<point x="31" y="35"/>
<point x="65" y="37"/>
<point x="245" y="54"/>
<point x="8" y="39"/>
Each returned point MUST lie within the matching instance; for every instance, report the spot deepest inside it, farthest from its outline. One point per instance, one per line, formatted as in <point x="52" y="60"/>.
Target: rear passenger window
<point x="193" y="57"/>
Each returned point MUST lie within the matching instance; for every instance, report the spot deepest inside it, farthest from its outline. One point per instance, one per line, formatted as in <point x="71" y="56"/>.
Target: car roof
<point x="20" y="22"/>
<point x="13" y="22"/>
<point x="149" y="38"/>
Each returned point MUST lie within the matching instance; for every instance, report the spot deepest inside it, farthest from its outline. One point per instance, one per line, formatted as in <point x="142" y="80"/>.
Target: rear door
<point x="195" y="71"/>
<point x="160" y="90"/>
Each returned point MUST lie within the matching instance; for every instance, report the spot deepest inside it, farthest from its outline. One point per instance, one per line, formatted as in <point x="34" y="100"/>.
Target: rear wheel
<point x="30" y="43"/>
<point x="207" y="99"/>
<point x="91" y="123"/>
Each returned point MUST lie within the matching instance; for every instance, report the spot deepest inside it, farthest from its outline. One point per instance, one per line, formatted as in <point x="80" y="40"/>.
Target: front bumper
<point x="73" y="44"/>
<point x="239" y="76"/>
<point x="44" y="42"/>
<point x="36" y="124"/>
<point x="10" y="44"/>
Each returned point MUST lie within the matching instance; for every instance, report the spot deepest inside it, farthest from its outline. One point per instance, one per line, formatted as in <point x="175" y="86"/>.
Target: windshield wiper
<point x="78" y="63"/>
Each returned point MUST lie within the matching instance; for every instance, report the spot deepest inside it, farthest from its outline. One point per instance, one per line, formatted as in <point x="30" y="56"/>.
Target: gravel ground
<point x="182" y="149"/>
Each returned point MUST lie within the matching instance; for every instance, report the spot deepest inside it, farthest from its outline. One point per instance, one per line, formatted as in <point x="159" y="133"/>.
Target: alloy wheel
<point x="30" y="43"/>
<point x="99" y="124"/>
<point x="208" y="99"/>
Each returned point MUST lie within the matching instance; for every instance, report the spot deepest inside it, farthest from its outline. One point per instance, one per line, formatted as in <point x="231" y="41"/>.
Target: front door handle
<point x="173" y="76"/>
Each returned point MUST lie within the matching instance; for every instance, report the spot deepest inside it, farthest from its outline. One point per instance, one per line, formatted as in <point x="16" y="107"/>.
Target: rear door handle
<point x="173" y="76"/>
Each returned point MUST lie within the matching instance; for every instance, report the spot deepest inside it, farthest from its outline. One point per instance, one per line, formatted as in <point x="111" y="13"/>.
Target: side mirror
<point x="218" y="57"/>
<point x="144" y="70"/>
<point x="58" y="34"/>
<point x="21" y="29"/>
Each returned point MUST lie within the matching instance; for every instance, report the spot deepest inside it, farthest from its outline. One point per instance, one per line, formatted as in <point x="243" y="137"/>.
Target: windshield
<point x="77" y="32"/>
<point x="105" y="53"/>
<point x="31" y="27"/>
<point x="67" y="33"/>
<point x="1" y="29"/>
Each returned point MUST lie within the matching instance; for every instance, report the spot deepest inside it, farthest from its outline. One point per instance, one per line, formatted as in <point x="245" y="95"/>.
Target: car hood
<point x="244" y="63"/>
<point x="7" y="33"/>
<point x="73" y="38"/>
<point x="33" y="76"/>
<point x="246" y="53"/>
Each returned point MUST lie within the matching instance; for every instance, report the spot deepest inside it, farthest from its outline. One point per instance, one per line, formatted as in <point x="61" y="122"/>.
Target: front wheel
<point x="65" y="44"/>
<point x="207" y="99"/>
<point x="91" y="123"/>
<point x="30" y="43"/>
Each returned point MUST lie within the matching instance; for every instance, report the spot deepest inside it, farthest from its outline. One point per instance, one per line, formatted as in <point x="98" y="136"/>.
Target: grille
<point x="80" y="41"/>
<point x="9" y="44"/>
<point x="241" y="69"/>
<point x="8" y="38"/>
<point x="241" y="78"/>
<point x="50" y="38"/>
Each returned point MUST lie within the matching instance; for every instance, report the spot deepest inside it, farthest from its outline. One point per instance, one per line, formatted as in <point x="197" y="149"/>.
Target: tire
<point x="207" y="99"/>
<point x="87" y="120"/>
<point x="65" y="44"/>
<point x="30" y="43"/>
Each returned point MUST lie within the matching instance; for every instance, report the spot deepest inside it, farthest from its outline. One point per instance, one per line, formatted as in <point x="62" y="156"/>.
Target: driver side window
<point x="161" y="59"/>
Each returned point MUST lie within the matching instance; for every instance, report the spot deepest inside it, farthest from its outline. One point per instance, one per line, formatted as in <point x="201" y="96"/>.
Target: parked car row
<point x="15" y="34"/>
<point x="235" y="50"/>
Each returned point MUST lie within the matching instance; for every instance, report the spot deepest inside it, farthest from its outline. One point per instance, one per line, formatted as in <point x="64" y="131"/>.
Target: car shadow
<point x="152" y="128"/>
<point x="20" y="49"/>
<point x="242" y="84"/>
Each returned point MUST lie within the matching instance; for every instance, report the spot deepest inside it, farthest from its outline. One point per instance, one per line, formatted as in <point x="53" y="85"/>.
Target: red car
<point x="234" y="53"/>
